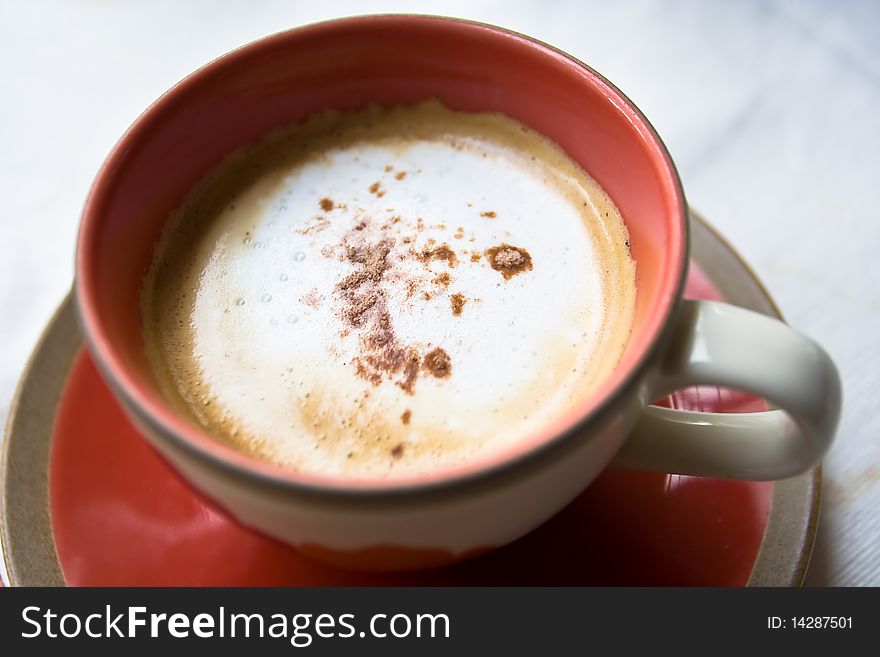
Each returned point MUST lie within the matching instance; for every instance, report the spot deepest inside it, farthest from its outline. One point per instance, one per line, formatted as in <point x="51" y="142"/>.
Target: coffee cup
<point x="439" y="510"/>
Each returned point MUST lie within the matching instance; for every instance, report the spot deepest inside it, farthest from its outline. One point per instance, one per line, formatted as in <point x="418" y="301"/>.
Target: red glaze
<point x="121" y="516"/>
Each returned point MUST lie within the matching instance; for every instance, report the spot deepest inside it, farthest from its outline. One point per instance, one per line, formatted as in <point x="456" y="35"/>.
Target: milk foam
<point x="253" y="308"/>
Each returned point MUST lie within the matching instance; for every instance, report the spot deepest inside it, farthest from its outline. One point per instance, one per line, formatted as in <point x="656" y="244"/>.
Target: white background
<point x="771" y="110"/>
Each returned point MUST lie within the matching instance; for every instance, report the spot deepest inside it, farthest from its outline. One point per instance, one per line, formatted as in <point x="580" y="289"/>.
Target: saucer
<point x="85" y="501"/>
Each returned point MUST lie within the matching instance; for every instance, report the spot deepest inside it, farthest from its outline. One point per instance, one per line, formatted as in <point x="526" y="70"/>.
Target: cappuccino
<point x="388" y="291"/>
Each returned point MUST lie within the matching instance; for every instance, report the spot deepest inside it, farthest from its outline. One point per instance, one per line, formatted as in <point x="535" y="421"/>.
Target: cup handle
<point x="719" y="344"/>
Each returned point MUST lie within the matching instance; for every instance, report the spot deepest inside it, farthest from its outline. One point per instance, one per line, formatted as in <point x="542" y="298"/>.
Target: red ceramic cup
<point x="449" y="514"/>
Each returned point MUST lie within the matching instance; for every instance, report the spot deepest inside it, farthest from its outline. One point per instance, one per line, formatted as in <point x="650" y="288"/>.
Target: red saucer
<point x="121" y="516"/>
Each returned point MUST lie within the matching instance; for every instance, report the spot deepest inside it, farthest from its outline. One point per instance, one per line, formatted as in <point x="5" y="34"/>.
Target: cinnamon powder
<point x="438" y="363"/>
<point x="443" y="279"/>
<point x="458" y="300"/>
<point x="442" y="252"/>
<point x="509" y="260"/>
<point x="364" y="309"/>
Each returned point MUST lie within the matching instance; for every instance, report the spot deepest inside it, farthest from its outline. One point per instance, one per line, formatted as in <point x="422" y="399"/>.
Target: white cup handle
<point x="719" y="344"/>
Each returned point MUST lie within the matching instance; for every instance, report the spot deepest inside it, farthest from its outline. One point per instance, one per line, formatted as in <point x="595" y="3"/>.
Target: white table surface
<point x="771" y="110"/>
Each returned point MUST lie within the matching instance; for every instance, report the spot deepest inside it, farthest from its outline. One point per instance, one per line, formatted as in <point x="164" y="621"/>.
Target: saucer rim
<point x="27" y="548"/>
<point x="28" y="556"/>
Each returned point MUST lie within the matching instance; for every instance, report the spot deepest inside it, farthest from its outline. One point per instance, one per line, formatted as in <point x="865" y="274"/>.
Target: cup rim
<point x="197" y="443"/>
